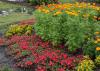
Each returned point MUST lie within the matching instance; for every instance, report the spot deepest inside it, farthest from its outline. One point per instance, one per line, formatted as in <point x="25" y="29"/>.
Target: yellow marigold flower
<point x="98" y="39"/>
<point x="97" y="33"/>
<point x="77" y="3"/>
<point x="43" y="10"/>
<point x="58" y="12"/>
<point x="98" y="8"/>
<point x="89" y="4"/>
<point x="94" y="4"/>
<point x="98" y="48"/>
<point x="95" y="17"/>
<point x="95" y="42"/>
<point x="52" y="9"/>
<point x="47" y="11"/>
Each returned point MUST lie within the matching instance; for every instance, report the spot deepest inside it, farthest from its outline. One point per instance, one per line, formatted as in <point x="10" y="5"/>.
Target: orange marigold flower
<point x="57" y="13"/>
<point x="97" y="33"/>
<point x="94" y="4"/>
<point x="98" y="48"/>
<point x="46" y="11"/>
<point x="95" y="17"/>
<point x="98" y="39"/>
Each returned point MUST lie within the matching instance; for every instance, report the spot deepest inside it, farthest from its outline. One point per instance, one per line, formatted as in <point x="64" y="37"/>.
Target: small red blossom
<point x="24" y="47"/>
<point x="29" y="63"/>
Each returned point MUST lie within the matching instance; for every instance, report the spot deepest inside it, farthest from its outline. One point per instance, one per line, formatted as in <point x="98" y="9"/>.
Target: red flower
<point x="64" y="55"/>
<point x="24" y="47"/>
<point x="29" y="63"/>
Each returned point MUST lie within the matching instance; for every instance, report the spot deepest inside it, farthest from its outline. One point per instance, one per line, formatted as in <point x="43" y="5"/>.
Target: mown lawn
<point x="13" y="17"/>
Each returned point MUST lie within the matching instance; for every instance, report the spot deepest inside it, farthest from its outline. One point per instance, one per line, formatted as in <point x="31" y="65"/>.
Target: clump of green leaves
<point x="97" y="61"/>
<point x="41" y="2"/>
<point x="19" y="30"/>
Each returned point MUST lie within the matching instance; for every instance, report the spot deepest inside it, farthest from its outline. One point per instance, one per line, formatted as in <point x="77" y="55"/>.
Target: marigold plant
<point x="70" y="24"/>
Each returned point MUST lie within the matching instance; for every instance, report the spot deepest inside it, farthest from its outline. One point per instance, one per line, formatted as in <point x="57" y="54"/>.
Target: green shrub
<point x="40" y="2"/>
<point x="59" y="27"/>
<point x="98" y="1"/>
<point x="19" y="30"/>
<point x="86" y="65"/>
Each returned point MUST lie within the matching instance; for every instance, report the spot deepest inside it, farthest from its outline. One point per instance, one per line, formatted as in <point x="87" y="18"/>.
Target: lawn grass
<point x="5" y="21"/>
<point x="4" y="5"/>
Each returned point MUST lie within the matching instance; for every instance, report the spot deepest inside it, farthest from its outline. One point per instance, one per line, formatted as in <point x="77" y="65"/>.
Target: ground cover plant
<point x="28" y="51"/>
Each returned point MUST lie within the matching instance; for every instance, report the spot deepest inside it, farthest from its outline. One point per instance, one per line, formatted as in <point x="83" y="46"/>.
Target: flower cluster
<point x="70" y="9"/>
<point x="97" y="41"/>
<point x="29" y="50"/>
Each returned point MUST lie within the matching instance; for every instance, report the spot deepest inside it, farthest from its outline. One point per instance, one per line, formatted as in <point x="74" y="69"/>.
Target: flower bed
<point x="52" y="40"/>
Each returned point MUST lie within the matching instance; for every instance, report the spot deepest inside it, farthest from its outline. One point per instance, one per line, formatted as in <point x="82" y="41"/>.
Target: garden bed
<point x="58" y="37"/>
